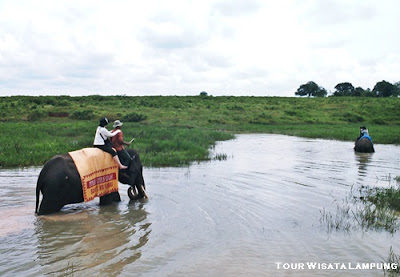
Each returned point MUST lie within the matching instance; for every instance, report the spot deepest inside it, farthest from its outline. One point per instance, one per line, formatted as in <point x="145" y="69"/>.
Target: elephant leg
<point x="132" y="193"/>
<point x="137" y="192"/>
<point x="141" y="191"/>
<point x="116" y="197"/>
<point x="48" y="206"/>
<point x="110" y="198"/>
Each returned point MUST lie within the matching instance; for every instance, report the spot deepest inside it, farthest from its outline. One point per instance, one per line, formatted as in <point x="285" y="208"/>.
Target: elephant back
<point x="364" y="145"/>
<point x="98" y="172"/>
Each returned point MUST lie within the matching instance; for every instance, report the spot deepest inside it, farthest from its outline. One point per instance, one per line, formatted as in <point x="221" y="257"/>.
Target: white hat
<point x="117" y="123"/>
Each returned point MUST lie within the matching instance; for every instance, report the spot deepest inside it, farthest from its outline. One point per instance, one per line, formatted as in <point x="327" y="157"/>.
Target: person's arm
<point x="124" y="142"/>
<point x="120" y="139"/>
<point x="108" y="134"/>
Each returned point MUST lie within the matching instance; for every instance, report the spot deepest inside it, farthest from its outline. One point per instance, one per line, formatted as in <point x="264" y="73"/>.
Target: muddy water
<point x="257" y="213"/>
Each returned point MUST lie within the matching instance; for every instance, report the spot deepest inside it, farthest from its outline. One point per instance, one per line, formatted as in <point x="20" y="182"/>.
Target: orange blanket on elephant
<point x="98" y="171"/>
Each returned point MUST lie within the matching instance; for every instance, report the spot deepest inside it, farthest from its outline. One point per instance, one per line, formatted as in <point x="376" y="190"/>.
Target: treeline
<point x="381" y="89"/>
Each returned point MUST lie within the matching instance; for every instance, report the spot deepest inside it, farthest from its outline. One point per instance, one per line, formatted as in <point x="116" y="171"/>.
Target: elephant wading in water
<point x="364" y="145"/>
<point x="60" y="184"/>
<point x="364" y="142"/>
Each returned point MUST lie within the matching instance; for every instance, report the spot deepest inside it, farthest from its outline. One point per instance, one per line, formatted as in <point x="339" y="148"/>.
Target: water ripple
<point x="234" y="217"/>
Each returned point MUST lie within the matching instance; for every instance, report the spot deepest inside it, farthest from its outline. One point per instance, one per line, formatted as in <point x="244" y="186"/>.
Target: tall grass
<point x="205" y="111"/>
<point x="165" y="146"/>
<point x="25" y="144"/>
<point x="34" y="143"/>
<point x="174" y="130"/>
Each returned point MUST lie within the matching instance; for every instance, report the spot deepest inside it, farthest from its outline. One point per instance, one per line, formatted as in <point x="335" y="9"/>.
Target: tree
<point x="203" y="93"/>
<point x="385" y="89"/>
<point x="359" y="91"/>
<point x="311" y="89"/>
<point x="397" y="85"/>
<point x="368" y="93"/>
<point x="344" y="89"/>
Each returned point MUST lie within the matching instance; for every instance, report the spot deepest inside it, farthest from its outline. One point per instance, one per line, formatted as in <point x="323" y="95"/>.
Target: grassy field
<point x="173" y="131"/>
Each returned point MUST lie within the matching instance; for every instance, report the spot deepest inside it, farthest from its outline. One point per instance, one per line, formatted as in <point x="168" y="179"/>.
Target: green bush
<point x="353" y="118"/>
<point x="63" y="103"/>
<point x="379" y="121"/>
<point x="36" y="115"/>
<point x="134" y="117"/>
<point x="82" y="115"/>
<point x="235" y="108"/>
<point x="291" y="112"/>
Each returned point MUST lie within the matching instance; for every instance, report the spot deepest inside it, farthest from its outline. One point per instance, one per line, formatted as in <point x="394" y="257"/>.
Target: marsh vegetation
<point x="366" y="208"/>
<point x="175" y="130"/>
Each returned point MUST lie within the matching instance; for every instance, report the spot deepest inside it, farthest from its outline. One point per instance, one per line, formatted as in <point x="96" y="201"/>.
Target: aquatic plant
<point x="393" y="259"/>
<point x="382" y="197"/>
<point x="221" y="157"/>
<point x="365" y="209"/>
<point x="337" y="221"/>
<point x="70" y="269"/>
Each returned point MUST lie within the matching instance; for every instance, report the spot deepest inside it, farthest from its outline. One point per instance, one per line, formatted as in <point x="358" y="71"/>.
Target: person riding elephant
<point x="363" y="132"/>
<point x="102" y="142"/>
<point x="118" y="143"/>
<point x="364" y="142"/>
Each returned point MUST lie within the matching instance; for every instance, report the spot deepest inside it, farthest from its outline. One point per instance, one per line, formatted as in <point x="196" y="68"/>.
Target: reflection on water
<point x="363" y="159"/>
<point x="90" y="240"/>
<point x="236" y="217"/>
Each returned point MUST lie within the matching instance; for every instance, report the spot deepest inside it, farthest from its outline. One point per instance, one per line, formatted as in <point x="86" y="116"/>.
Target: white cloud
<point x="184" y="47"/>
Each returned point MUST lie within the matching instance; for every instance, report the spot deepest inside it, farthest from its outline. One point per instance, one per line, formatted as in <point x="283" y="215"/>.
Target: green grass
<point x="175" y="130"/>
<point x="33" y="143"/>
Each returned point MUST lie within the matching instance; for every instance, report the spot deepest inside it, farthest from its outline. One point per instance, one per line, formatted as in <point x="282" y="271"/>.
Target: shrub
<point x="291" y="112"/>
<point x="379" y="121"/>
<point x="58" y="114"/>
<point x="36" y="115"/>
<point x="235" y="108"/>
<point x="134" y="117"/>
<point x="63" y="103"/>
<point x="82" y="115"/>
<point x="353" y="118"/>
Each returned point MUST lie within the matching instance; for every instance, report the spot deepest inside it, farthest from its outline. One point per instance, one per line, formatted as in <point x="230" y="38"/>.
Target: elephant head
<point x="134" y="177"/>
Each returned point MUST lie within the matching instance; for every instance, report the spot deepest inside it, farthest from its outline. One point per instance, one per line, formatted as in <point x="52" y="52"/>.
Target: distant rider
<point x="364" y="133"/>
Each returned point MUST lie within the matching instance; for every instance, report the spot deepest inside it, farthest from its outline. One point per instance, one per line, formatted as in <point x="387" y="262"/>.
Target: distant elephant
<point x="60" y="184"/>
<point x="364" y="145"/>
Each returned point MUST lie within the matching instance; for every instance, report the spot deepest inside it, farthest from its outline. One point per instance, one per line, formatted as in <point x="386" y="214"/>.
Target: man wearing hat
<point x="118" y="143"/>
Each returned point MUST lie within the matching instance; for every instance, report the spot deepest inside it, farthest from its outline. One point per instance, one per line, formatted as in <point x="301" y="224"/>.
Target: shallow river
<point x="256" y="213"/>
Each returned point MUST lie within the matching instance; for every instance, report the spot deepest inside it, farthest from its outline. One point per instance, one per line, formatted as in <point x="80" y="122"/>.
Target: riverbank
<point x="174" y="131"/>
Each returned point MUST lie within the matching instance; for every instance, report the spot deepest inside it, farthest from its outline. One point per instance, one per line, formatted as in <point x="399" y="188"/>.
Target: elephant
<point x="60" y="184"/>
<point x="364" y="145"/>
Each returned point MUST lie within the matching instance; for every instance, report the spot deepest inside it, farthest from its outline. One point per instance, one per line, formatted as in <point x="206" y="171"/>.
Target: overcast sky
<point x="227" y="47"/>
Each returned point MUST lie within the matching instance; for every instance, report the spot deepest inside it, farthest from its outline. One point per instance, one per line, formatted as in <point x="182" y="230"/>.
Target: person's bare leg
<point x="121" y="166"/>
